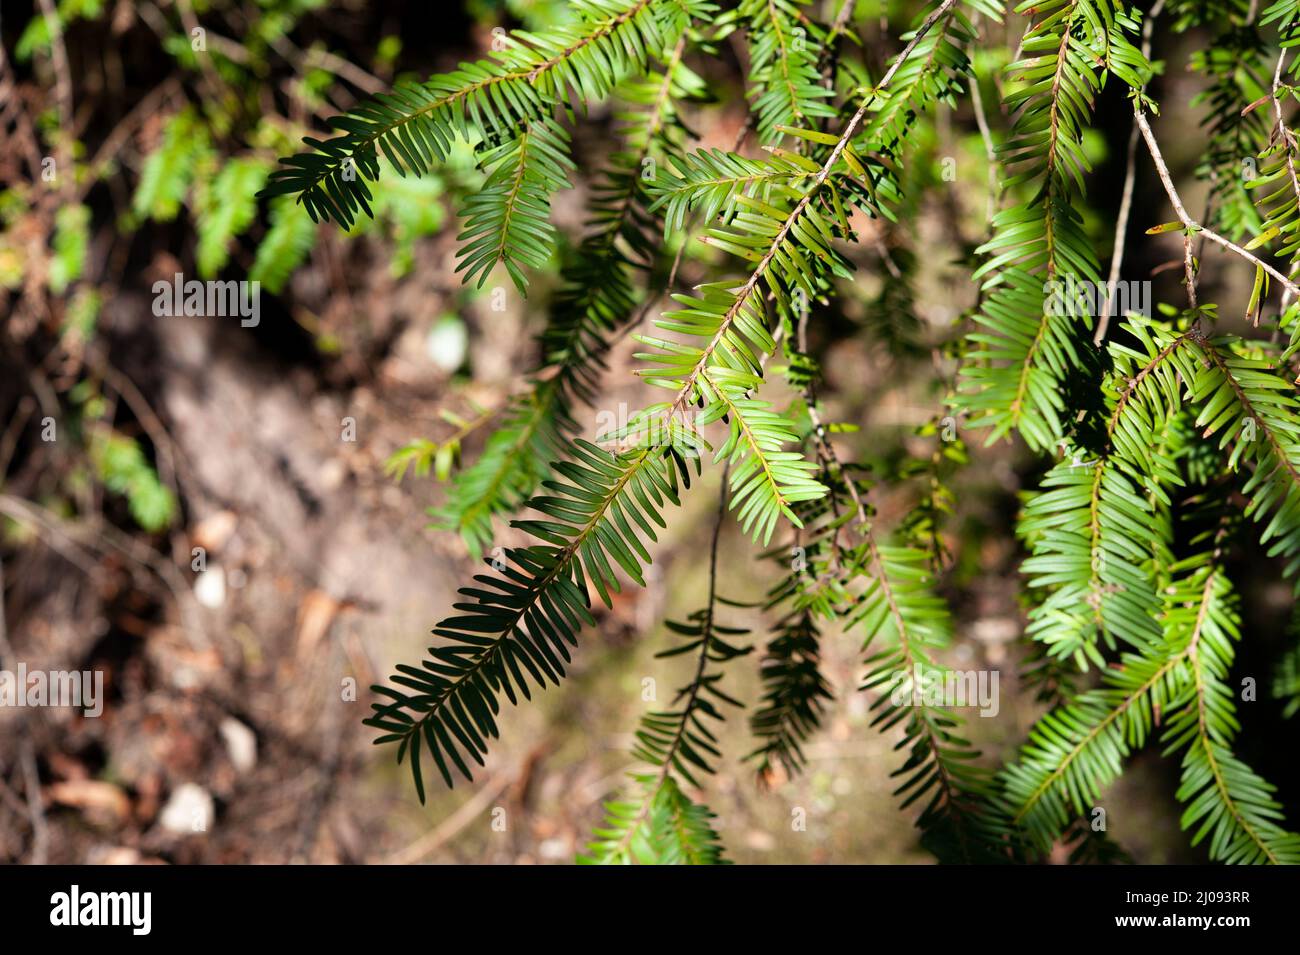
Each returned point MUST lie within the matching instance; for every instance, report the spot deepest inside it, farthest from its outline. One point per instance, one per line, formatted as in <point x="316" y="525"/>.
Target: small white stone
<point x="241" y="744"/>
<point x="448" y="343"/>
<point x="190" y="810"/>
<point x="555" y="849"/>
<point x="332" y="474"/>
<point x="210" y="588"/>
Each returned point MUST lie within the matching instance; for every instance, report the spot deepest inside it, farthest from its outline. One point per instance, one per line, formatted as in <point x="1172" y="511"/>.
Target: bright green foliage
<point x="227" y="208"/>
<point x="71" y="237"/>
<point x="1226" y="800"/>
<point x="1090" y="528"/>
<point x="598" y="294"/>
<point x="123" y="469"/>
<point x="1176" y="680"/>
<point x="661" y="827"/>
<point x="709" y="182"/>
<point x="1140" y="443"/>
<point x="1239" y="75"/>
<point x="422" y="455"/>
<point x="169" y="169"/>
<point x="182" y="173"/>
<point x="938" y="70"/>
<point x="286" y="244"/>
<point x="514" y="460"/>
<point x="765" y="480"/>
<point x="517" y="91"/>
<point x="1248" y="405"/>
<point x="786" y="84"/>
<point x="1075" y="751"/>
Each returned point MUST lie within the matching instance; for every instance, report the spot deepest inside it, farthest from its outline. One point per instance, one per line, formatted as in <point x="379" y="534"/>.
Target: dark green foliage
<point x="1286" y="676"/>
<point x="661" y="825"/>
<point x="514" y="630"/>
<point x="795" y="697"/>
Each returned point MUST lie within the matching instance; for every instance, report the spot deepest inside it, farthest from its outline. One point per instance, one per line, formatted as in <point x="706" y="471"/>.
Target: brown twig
<point x="62" y="73"/>
<point x="108" y="150"/>
<point x="1126" y="197"/>
<point x="454" y="824"/>
<point x="1190" y="223"/>
<point x="96" y="535"/>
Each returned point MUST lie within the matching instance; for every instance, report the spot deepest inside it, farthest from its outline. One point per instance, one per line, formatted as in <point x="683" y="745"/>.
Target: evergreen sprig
<point x="1132" y="617"/>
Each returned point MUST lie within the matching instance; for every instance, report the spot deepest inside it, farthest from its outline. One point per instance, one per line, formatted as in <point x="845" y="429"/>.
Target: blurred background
<point x="214" y="514"/>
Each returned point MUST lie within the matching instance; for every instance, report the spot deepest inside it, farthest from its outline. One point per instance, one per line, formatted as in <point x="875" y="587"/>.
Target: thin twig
<point x="1285" y="135"/>
<point x="159" y="437"/>
<point x="1191" y="223"/>
<point x="11" y="111"/>
<point x="62" y="73"/>
<point x="1126" y="198"/>
<point x="841" y="22"/>
<point x="9" y="442"/>
<point x="990" y="150"/>
<point x="641" y="316"/>
<point x="99" y="535"/>
<point x="148" y="106"/>
<point x="1189" y="270"/>
<point x="452" y="826"/>
<point x="211" y="78"/>
<point x="828" y="62"/>
<point x="35" y="803"/>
